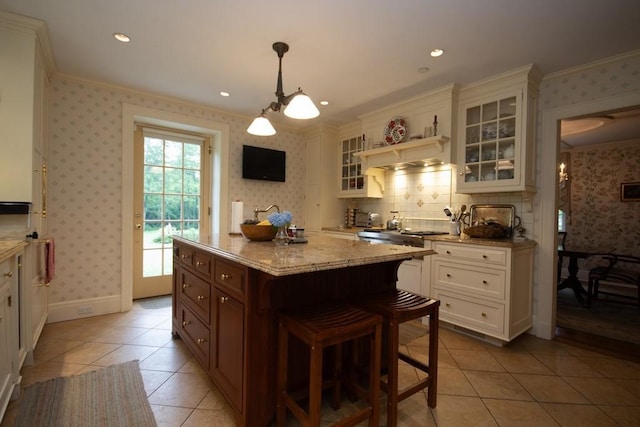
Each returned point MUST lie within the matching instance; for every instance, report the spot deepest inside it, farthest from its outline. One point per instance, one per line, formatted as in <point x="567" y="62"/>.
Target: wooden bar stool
<point x="320" y="327"/>
<point x="398" y="306"/>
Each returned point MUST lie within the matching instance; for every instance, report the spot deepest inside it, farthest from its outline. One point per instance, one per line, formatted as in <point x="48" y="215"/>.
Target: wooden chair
<point x="396" y="307"/>
<point x="619" y="271"/>
<point x="320" y="327"/>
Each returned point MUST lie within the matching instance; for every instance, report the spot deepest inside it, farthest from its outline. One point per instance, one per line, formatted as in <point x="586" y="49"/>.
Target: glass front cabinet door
<point x="354" y="180"/>
<point x="496" y="145"/>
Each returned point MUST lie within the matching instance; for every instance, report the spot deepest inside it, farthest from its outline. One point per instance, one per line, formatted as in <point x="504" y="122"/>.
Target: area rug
<point x="111" y="396"/>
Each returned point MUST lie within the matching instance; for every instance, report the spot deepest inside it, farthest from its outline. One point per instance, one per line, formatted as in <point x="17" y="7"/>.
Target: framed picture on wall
<point x="630" y="192"/>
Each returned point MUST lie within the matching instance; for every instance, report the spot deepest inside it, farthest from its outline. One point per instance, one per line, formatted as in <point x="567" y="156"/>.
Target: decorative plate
<point x="395" y="131"/>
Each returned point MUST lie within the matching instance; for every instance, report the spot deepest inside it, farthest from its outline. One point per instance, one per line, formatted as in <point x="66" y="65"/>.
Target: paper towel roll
<point x="237" y="214"/>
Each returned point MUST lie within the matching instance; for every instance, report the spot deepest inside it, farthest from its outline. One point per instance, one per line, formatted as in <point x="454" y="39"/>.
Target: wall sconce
<point x="297" y="105"/>
<point x="564" y="176"/>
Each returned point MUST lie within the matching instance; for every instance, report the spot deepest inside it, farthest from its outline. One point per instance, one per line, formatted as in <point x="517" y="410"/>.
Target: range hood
<point x="14" y="208"/>
<point x="430" y="151"/>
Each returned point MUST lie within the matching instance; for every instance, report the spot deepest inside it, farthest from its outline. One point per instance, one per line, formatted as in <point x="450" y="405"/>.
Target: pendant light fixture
<point x="297" y="105"/>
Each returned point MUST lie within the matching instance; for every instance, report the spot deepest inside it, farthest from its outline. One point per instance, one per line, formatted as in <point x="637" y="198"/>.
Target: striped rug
<point x="111" y="396"/>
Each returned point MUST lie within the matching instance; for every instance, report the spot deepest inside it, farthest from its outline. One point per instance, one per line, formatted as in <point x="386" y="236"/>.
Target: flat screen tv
<point x="263" y="163"/>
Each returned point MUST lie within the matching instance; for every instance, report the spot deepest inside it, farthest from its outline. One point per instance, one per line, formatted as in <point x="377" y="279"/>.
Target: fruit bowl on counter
<point x="258" y="233"/>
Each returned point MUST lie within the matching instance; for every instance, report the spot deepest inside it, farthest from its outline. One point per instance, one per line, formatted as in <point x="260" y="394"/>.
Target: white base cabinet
<point x="484" y="289"/>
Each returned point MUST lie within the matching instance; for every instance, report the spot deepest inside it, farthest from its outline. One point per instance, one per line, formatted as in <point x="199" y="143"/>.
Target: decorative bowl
<point x="258" y="233"/>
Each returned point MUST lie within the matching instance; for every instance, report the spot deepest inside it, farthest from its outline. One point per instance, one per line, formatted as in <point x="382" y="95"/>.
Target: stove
<point x="394" y="237"/>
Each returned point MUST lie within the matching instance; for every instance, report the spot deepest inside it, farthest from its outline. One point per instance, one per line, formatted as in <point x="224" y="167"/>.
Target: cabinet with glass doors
<point x="354" y="180"/>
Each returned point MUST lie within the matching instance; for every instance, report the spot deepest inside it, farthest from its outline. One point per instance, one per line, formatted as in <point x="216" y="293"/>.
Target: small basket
<point x="258" y="233"/>
<point x="492" y="231"/>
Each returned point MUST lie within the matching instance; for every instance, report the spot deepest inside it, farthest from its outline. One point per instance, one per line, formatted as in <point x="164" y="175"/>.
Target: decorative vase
<point x="281" y="238"/>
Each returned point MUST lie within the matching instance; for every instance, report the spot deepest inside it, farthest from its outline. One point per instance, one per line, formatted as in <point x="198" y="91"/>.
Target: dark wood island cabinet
<point x="227" y="292"/>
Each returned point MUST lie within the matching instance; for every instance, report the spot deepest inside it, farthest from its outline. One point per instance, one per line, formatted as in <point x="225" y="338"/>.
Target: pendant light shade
<point x="301" y="107"/>
<point x="261" y="126"/>
<point x="297" y="105"/>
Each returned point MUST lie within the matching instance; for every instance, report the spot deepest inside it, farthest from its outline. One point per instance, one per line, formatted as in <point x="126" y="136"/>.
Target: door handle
<point x="138" y="226"/>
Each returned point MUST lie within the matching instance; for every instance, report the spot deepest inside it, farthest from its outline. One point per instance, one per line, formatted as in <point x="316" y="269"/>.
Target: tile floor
<point x="531" y="382"/>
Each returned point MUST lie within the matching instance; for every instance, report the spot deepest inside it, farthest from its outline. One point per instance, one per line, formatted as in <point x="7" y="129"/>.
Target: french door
<point x="171" y="197"/>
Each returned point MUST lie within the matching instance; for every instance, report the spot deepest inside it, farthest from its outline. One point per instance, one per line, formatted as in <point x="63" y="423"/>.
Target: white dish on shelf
<point x="395" y="131"/>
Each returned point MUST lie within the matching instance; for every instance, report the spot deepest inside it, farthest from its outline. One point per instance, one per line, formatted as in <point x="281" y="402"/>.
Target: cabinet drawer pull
<point x="448" y="275"/>
<point x="185" y="323"/>
<point x="9" y="274"/>
<point x="199" y="263"/>
<point x="484" y="282"/>
<point x="223" y="299"/>
<point x="484" y="314"/>
<point x="448" y="252"/>
<point x="484" y="257"/>
<point x="224" y="276"/>
<point x="200" y="298"/>
<point x="447" y="304"/>
<point x="201" y="340"/>
<point x="185" y="286"/>
<point x="185" y="256"/>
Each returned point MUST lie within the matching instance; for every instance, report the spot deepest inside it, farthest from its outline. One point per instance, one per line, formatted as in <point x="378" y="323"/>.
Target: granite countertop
<point x="8" y="248"/>
<point x="320" y="253"/>
<point x="346" y="230"/>
<point x="463" y="238"/>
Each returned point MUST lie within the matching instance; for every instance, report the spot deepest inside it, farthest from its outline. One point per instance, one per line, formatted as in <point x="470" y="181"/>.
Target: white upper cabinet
<point x="495" y="144"/>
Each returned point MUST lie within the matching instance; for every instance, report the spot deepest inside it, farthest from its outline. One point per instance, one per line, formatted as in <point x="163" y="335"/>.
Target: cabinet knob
<point x="185" y="323"/>
<point x="484" y="256"/>
<point x="223" y="299"/>
<point x="9" y="274"/>
<point x="448" y="252"/>
<point x="199" y="263"/>
<point x="185" y="256"/>
<point x="484" y="282"/>
<point x="201" y="340"/>
<point x="484" y="314"/>
<point x="224" y="276"/>
<point x="461" y="173"/>
<point x="185" y="286"/>
<point x="200" y="298"/>
<point x="448" y="275"/>
<point x="447" y="304"/>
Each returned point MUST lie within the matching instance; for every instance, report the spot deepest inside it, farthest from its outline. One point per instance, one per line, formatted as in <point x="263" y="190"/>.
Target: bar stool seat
<point x="320" y="327"/>
<point x="398" y="306"/>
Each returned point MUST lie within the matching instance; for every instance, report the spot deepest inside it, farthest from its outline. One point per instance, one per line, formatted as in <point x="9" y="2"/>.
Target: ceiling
<point x="359" y="55"/>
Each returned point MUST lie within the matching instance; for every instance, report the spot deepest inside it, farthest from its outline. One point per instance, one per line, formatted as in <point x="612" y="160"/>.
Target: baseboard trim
<point x="79" y="309"/>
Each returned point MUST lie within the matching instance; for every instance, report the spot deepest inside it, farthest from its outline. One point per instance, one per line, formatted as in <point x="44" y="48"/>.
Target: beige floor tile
<point x="166" y="359"/>
<point x="87" y="353"/>
<point x="170" y="416"/>
<point x="125" y="353"/>
<point x="625" y="415"/>
<point x="496" y="385"/>
<point x="137" y="320"/>
<point x="152" y="337"/>
<point x="534" y="345"/>
<point x="521" y="363"/>
<point x="453" y="381"/>
<point x="570" y="415"/>
<point x="42" y="371"/>
<point x="50" y="348"/>
<point x="476" y="360"/>
<point x="603" y="391"/>
<point x="412" y="412"/>
<point x="119" y="334"/>
<point x="204" y="417"/>
<point x="154" y="379"/>
<point x="567" y="366"/>
<point x="459" y="411"/>
<point x="613" y="368"/>
<point x="214" y="401"/>
<point x="550" y="388"/>
<point x="455" y="340"/>
<point x="184" y="390"/>
<point x="516" y="413"/>
<point x="633" y="386"/>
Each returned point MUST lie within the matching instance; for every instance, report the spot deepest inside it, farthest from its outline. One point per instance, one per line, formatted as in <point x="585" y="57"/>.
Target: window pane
<point x="173" y="180"/>
<point x="173" y="207"/>
<point x="152" y="235"/>
<point x="168" y="261"/>
<point x="152" y="262"/>
<point x="153" y="179"/>
<point x="152" y="206"/>
<point x="173" y="154"/>
<point x="152" y="151"/>
<point x="191" y="181"/>
<point x="192" y="156"/>
<point x="191" y="207"/>
<point x="191" y="230"/>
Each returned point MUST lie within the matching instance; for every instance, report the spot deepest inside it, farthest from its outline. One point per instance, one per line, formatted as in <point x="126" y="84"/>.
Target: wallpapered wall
<point x="597" y="216"/>
<point x="85" y="169"/>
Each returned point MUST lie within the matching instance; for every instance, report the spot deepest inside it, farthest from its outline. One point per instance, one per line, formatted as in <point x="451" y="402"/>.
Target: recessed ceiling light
<point x="223" y="93"/>
<point x="324" y="102"/>
<point x="436" y="52"/>
<point x="121" y="37"/>
<point x="423" y="70"/>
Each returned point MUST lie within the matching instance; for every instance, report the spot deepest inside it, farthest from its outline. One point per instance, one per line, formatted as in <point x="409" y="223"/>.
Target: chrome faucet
<point x="256" y="211"/>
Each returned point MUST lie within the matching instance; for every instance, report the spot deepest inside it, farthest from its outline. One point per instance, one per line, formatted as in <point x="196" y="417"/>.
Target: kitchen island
<point x="227" y="292"/>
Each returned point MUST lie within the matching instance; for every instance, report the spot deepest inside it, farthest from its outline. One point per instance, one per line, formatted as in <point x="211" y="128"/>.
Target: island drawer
<point x="485" y="282"/>
<point x="230" y="276"/>
<point x="185" y="254"/>
<point x="196" y="335"/>
<point x="469" y="252"/>
<point x="196" y="293"/>
<point x="479" y="315"/>
<point x="202" y="263"/>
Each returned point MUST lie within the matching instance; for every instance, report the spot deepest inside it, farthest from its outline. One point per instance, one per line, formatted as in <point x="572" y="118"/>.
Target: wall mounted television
<point x="263" y="163"/>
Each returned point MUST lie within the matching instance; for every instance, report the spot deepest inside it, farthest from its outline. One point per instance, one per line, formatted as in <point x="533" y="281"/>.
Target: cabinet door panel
<point x="485" y="282"/>
<point x="228" y="346"/>
<point x="482" y="316"/>
<point x="196" y="293"/>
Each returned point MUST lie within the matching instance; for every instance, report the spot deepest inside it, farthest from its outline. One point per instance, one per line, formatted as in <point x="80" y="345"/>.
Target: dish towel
<point x="50" y="256"/>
